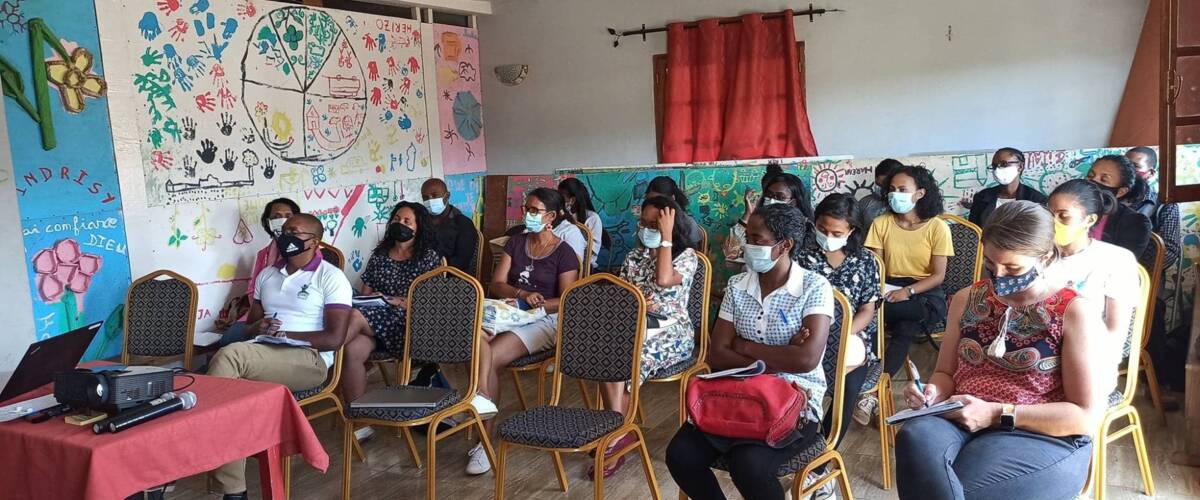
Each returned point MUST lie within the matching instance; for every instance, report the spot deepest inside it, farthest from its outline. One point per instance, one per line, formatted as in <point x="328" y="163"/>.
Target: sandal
<point x="612" y="468"/>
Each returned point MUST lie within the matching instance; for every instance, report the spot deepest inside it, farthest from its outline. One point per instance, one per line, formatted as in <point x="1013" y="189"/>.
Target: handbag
<point x="763" y="407"/>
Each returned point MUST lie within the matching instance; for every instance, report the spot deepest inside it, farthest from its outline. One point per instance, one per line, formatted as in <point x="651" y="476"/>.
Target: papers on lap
<point x="756" y="368"/>
<point x="370" y="301"/>
<point x="937" y="409"/>
<point x="205" y="339"/>
<point x="284" y="341"/>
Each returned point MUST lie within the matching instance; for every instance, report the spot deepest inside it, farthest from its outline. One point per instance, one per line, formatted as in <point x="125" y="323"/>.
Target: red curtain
<point x="733" y="92"/>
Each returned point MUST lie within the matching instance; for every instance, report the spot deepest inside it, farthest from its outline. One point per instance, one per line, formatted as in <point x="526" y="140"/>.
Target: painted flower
<point x="75" y="79"/>
<point x="64" y="267"/>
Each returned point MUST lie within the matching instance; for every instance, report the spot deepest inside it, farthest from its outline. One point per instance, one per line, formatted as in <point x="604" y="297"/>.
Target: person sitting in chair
<point x="300" y="297"/>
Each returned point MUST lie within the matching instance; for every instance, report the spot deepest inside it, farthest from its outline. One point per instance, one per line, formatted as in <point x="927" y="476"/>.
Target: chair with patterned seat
<point x="442" y="293"/>
<point x="698" y="299"/>
<point x="964" y="268"/>
<point x="823" y="453"/>
<point x="1152" y="259"/>
<point x="601" y="323"/>
<point x="1120" y="403"/>
<point x="160" y="317"/>
<point x="539" y="362"/>
<point x="309" y="397"/>
<point x="880" y="383"/>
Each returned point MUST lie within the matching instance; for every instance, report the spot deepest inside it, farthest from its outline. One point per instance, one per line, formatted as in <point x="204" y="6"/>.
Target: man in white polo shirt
<point x="301" y="297"/>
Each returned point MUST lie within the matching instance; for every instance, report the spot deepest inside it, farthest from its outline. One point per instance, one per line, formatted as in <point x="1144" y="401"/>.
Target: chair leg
<point x="843" y="477"/>
<point x="347" y="438"/>
<point x="431" y="440"/>
<point x="287" y="477"/>
<point x="641" y="415"/>
<point x="683" y="402"/>
<point x="1152" y="381"/>
<point x="520" y="392"/>
<point x="1139" y="446"/>
<point x="647" y="465"/>
<point x="412" y="445"/>
<point x="383" y="372"/>
<point x="358" y="451"/>
<point x="885" y="458"/>
<point x="587" y="396"/>
<point x="500" y="469"/>
<point x="541" y="383"/>
<point x="598" y="470"/>
<point x="560" y="471"/>
<point x="1099" y="459"/>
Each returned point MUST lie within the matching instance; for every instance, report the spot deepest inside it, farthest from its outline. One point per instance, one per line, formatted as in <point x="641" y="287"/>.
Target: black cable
<point x="180" y="372"/>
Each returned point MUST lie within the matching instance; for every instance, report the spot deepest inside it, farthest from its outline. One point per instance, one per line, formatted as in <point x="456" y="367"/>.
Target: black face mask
<point x="1112" y="190"/>
<point x="289" y="245"/>
<point x="399" y="232"/>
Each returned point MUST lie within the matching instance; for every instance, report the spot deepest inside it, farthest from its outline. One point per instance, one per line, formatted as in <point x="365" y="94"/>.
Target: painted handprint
<point x="189" y="128"/>
<point x="180" y="29"/>
<point x="226" y="124"/>
<point x="208" y="153"/>
<point x="205" y="102"/>
<point x="189" y="167"/>
<point x="247" y="9"/>
<point x="151" y="57"/>
<point x="228" y="163"/>
<point x="368" y="42"/>
<point x="199" y="6"/>
<point x="196" y="64"/>
<point x="149" y="26"/>
<point x="227" y="97"/>
<point x="372" y="71"/>
<point x="391" y="64"/>
<point x="229" y="27"/>
<point x="269" y="168"/>
<point x="168" y="7"/>
<point x="376" y="96"/>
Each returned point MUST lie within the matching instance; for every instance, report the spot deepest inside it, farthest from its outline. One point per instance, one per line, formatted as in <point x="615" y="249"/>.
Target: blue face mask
<point x="901" y="203"/>
<point x="651" y="238"/>
<point x="533" y="223"/>
<point x="435" y="205"/>
<point x="1008" y="285"/>
<point x="758" y="257"/>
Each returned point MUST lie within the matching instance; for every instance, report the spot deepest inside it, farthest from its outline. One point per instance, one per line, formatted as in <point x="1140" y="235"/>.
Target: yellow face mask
<point x="1065" y="235"/>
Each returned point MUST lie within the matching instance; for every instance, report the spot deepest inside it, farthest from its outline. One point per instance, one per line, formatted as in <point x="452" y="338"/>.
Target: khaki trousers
<point x="297" y="368"/>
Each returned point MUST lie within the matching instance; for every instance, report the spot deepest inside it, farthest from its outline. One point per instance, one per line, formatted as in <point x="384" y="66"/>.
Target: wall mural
<point x="64" y="171"/>
<point x="248" y="97"/>
<point x="458" y="98"/>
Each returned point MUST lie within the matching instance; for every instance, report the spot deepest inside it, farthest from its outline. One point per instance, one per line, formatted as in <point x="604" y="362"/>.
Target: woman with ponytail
<point x="406" y="251"/>
<point x="1103" y="273"/>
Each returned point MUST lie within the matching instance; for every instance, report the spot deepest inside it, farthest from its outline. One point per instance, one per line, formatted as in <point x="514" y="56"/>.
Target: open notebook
<point x="937" y="409"/>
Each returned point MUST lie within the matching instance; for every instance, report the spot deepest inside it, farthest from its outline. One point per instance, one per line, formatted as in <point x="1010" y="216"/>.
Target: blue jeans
<point x="235" y="333"/>
<point x="936" y="459"/>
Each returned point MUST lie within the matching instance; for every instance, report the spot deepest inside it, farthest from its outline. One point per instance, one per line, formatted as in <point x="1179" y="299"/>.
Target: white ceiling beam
<point x="478" y="7"/>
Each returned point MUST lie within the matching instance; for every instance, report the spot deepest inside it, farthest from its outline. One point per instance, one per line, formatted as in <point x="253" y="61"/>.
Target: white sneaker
<point x="484" y="406"/>
<point x="825" y="492"/>
<point x="363" y="434"/>
<point x="865" y="410"/>
<point x="478" y="462"/>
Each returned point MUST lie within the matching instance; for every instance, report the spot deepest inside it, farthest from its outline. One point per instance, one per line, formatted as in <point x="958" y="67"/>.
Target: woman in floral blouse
<point x="840" y="257"/>
<point x="662" y="267"/>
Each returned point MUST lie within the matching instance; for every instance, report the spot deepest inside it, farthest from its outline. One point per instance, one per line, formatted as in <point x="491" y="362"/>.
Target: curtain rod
<point x="811" y="12"/>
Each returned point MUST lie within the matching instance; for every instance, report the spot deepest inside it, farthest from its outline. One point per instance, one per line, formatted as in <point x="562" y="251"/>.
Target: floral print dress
<point x="676" y="342"/>
<point x="392" y="278"/>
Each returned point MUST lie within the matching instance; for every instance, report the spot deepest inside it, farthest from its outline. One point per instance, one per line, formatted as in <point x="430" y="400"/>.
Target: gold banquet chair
<point x="881" y="387"/>
<point x="442" y="293"/>
<point x="965" y="267"/>
<point x="823" y="453"/>
<point x="1120" y="402"/>
<point x="601" y="323"/>
<point x="698" y="301"/>
<point x="1152" y="260"/>
<point x="310" y="397"/>
<point x="160" y="317"/>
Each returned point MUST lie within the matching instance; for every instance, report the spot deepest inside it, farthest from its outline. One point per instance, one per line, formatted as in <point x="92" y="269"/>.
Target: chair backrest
<point x="698" y="298"/>
<point x="1153" y="262"/>
<point x="880" y="338"/>
<point x="478" y="254"/>
<point x="332" y="255"/>
<point x="601" y="322"/>
<point x="1137" y="329"/>
<point x="703" y="243"/>
<point x="444" y="320"/>
<point x="585" y="267"/>
<point x="834" y="363"/>
<point x="965" y="267"/>
<point x="160" y="317"/>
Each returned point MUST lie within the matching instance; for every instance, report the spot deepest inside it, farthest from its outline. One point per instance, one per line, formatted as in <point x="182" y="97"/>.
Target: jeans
<point x="235" y="333"/>
<point x="853" y="386"/>
<point x="936" y="459"/>
<point x="752" y="467"/>
<point x="905" y="321"/>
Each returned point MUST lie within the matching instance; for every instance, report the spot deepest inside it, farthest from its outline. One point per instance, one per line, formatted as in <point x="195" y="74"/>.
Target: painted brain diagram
<point x="247" y="98"/>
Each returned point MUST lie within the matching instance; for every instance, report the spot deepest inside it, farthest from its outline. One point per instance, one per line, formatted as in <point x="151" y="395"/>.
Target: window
<point x="1180" y="112"/>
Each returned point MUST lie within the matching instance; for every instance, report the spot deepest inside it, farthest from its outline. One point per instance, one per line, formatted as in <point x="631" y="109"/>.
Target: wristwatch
<point x="911" y="292"/>
<point x="1008" y="417"/>
<point x="666" y="244"/>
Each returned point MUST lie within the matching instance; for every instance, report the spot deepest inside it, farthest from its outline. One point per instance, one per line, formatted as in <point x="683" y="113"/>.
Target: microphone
<point x="102" y="426"/>
<point x="184" y="401"/>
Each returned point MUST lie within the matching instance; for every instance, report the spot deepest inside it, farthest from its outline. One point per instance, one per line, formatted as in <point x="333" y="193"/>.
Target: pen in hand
<point x="916" y="377"/>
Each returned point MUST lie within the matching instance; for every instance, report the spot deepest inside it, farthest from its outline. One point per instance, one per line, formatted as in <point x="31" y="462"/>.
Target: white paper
<point x="205" y="339"/>
<point x="756" y="368"/>
<point x="267" y="339"/>
<point x="370" y="301"/>
<point x="888" y="288"/>
<point x="937" y="409"/>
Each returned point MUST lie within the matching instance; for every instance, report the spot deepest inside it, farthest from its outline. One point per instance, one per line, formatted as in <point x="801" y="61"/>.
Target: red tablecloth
<point x="232" y="419"/>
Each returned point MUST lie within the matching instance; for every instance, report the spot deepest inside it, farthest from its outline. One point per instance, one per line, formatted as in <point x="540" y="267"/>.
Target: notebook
<point x="400" y="397"/>
<point x="756" y="368"/>
<point x="370" y="301"/>
<point x="937" y="409"/>
<point x="267" y="339"/>
<point x="205" y="339"/>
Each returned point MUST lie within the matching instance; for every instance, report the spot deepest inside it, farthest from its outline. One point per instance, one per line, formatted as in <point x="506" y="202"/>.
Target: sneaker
<point x="477" y="462"/>
<point x="865" y="410"/>
<point x="364" y="434"/>
<point x="484" y="406"/>
<point x="825" y="492"/>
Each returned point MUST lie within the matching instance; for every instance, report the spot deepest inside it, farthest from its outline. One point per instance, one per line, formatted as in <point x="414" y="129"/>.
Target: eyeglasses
<point x="534" y="210"/>
<point x="299" y="233"/>
<point x="1009" y="163"/>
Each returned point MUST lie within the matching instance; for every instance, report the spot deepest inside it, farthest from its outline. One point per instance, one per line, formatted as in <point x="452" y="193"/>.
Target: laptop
<point x="400" y="397"/>
<point x="55" y="354"/>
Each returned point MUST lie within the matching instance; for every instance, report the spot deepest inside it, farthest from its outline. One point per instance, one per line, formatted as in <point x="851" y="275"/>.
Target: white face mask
<point x="276" y="225"/>
<point x="829" y="243"/>
<point x="758" y="257"/>
<point x="771" y="201"/>
<point x="1005" y="175"/>
<point x="435" y="205"/>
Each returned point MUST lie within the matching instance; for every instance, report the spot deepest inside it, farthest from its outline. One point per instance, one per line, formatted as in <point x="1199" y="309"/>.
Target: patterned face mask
<point x="1008" y="285"/>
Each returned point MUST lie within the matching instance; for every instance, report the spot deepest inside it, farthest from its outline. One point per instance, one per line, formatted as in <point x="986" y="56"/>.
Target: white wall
<point x="882" y="77"/>
<point x="17" y="306"/>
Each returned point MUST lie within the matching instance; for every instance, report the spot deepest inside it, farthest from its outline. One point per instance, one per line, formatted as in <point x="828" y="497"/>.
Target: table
<point x="232" y="419"/>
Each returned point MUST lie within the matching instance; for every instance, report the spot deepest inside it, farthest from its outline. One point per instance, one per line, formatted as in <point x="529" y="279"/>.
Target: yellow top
<point x="907" y="253"/>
